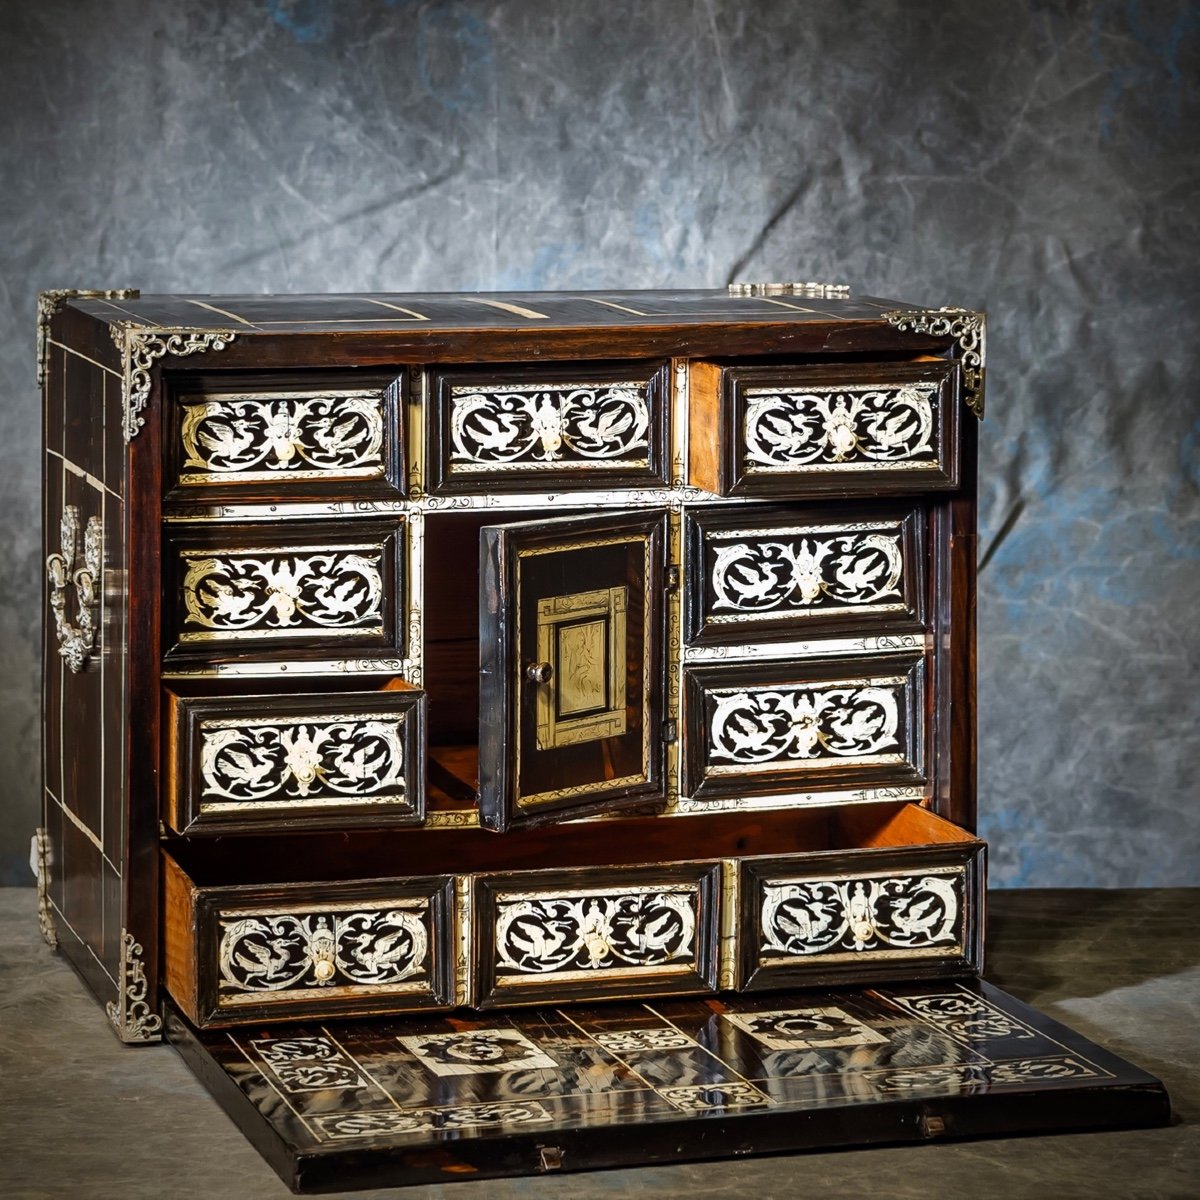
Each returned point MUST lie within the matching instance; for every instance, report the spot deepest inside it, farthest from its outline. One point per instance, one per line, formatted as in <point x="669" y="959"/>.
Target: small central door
<point x="571" y="667"/>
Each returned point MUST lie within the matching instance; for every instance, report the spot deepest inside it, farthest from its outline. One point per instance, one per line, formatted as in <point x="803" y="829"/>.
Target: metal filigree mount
<point x="76" y="642"/>
<point x="41" y="851"/>
<point x="50" y="301"/>
<point x="809" y="291"/>
<point x="140" y="347"/>
<point x="130" y="1014"/>
<point x="969" y="331"/>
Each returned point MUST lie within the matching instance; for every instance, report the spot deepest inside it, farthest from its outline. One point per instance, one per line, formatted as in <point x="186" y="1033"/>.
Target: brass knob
<point x="539" y="672"/>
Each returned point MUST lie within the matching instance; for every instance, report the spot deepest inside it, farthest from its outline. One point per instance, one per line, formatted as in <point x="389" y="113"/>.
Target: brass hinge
<point x="671" y="579"/>
<point x="670" y="731"/>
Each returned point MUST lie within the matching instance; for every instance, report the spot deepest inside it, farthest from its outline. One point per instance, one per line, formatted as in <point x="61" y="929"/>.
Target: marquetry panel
<point x="809" y="429"/>
<point x="263" y="588"/>
<point x="559" y="427"/>
<point x="242" y="953"/>
<point x="284" y="761"/>
<point x="871" y="914"/>
<point x="564" y="935"/>
<point x="793" y="725"/>
<point x="767" y="574"/>
<point x="308" y="434"/>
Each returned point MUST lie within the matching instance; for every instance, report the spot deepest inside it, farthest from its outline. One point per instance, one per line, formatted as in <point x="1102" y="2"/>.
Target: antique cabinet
<point x="414" y="660"/>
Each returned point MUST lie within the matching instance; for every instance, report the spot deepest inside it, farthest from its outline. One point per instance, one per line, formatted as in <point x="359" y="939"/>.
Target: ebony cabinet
<point x="409" y="654"/>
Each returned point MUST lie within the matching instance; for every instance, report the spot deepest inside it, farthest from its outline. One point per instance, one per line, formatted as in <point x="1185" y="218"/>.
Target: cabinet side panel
<point x="84" y="660"/>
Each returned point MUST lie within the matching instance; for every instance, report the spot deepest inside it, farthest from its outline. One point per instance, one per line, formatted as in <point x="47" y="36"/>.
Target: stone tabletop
<point x="83" y="1116"/>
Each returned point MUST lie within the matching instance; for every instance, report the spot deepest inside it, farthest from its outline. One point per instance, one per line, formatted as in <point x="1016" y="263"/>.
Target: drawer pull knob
<point x="541" y="672"/>
<point x="64" y="570"/>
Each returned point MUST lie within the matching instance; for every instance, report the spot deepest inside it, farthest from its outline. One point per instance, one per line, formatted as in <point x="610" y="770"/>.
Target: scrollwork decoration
<point x="281" y="594"/>
<point x="846" y="427"/>
<point x="282" y="951"/>
<point x="592" y="933"/>
<point x="302" y="759"/>
<point x="129" y="1013"/>
<point x="969" y="331"/>
<point x="141" y="348"/>
<point x="907" y="912"/>
<point x="76" y="642"/>
<point x="799" y="573"/>
<point x="798" y="723"/>
<point x="538" y="428"/>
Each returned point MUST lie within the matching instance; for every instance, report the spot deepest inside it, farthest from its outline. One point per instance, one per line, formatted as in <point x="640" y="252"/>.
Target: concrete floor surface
<point x="83" y="1116"/>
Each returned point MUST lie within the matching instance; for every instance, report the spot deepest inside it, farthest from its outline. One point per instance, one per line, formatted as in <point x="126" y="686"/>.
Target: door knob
<point x="541" y="672"/>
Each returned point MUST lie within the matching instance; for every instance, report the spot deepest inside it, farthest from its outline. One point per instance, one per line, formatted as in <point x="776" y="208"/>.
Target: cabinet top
<point x="434" y="312"/>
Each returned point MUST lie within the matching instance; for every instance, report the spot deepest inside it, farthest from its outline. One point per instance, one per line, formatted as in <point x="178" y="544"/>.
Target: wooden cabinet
<point x="438" y="654"/>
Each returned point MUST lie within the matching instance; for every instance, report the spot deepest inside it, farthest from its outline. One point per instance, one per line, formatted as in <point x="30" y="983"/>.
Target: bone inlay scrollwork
<point x="541" y="427"/>
<point x="265" y="593"/>
<point x="796" y="723"/>
<point x="594" y="932"/>
<point x="302" y="759"/>
<point x="263" y="437"/>
<point x="906" y="912"/>
<point x="805" y="572"/>
<point x="280" y="951"/>
<point x="848" y="427"/>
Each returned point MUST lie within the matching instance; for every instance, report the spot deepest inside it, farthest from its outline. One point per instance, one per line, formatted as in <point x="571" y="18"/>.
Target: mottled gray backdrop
<point x="1039" y="160"/>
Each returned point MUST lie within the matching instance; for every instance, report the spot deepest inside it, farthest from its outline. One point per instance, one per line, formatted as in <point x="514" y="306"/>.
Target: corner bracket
<point x="969" y="331"/>
<point x="41" y="854"/>
<point x="140" y="346"/>
<point x="129" y="1013"/>
<point x="50" y="301"/>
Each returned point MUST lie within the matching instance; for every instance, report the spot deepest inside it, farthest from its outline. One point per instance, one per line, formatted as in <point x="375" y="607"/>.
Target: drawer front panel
<point x="780" y="727"/>
<point x="388" y="947"/>
<point x="581" y="935"/>
<point x="332" y="435"/>
<point x="776" y="574"/>
<point x="917" y="914"/>
<point x="286" y="762"/>
<point x="805" y="430"/>
<point x="260" y="589"/>
<point x="547" y="430"/>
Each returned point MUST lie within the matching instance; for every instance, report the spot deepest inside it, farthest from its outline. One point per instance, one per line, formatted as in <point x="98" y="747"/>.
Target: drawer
<point x="239" y="953"/>
<point x="276" y="435"/>
<point x="259" y="589"/>
<point x="775" y="574"/>
<point x="588" y="934"/>
<point x="812" y="429"/>
<point x="779" y="727"/>
<point x="279" y="762"/>
<point x="560" y="427"/>
<point x="907" y="912"/>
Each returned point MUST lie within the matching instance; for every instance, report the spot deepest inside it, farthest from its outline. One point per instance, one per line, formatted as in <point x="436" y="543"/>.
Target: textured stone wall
<point x="1041" y="161"/>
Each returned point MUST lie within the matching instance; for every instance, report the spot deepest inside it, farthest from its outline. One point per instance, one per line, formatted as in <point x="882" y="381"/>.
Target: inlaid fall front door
<point x="571" y="664"/>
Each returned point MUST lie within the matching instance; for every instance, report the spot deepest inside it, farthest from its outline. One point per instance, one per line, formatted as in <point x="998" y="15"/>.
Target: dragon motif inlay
<point x="263" y="437"/>
<point x="540" y="427"/>
<point x="284" y="593"/>
<point x="805" y="572"/>
<point x="848" y="427"/>
<point x="800" y="723"/>
<point x="302" y="759"/>
<point x="906" y="912"/>
<point x="276" y="952"/>
<point x="594" y="932"/>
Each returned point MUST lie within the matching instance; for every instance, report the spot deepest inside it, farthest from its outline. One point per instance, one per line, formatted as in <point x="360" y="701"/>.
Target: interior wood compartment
<point x="625" y="841"/>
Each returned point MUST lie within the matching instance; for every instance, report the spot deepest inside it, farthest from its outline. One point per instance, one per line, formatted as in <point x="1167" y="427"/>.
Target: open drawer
<point x="379" y="922"/>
